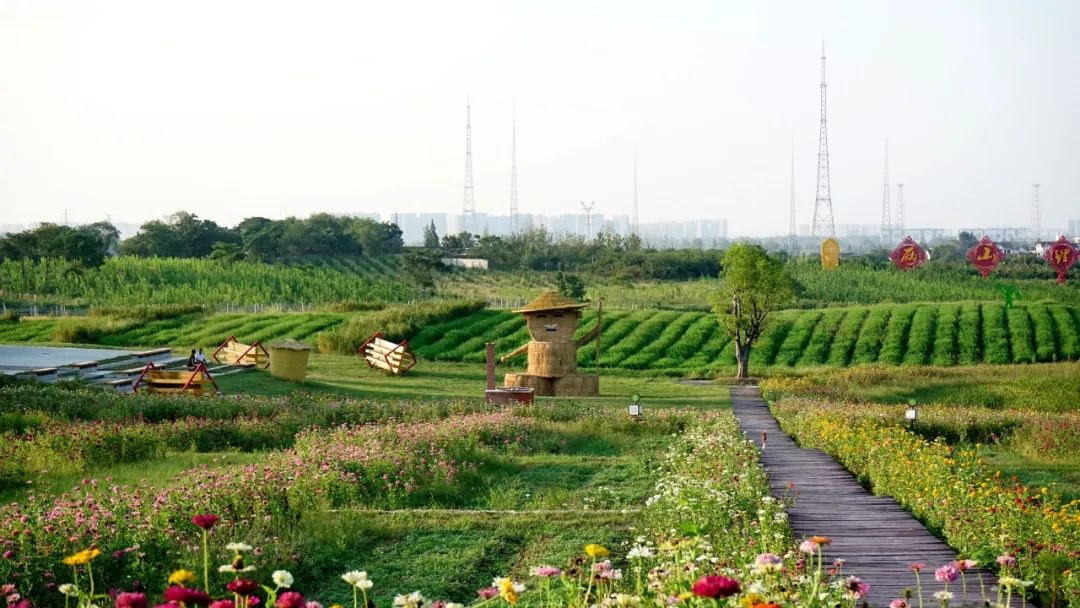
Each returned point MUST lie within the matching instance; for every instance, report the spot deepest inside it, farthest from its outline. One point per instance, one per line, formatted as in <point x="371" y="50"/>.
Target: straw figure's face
<point x="552" y="325"/>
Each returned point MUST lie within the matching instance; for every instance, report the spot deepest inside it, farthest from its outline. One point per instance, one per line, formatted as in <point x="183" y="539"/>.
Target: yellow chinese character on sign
<point x="1061" y="255"/>
<point x="909" y="257"/>
<point x="987" y="253"/>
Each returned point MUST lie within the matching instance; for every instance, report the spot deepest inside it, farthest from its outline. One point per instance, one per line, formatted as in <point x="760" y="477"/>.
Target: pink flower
<point x="313" y="605"/>
<point x="290" y="599"/>
<point x="1006" y="561"/>
<point x="715" y="586"/>
<point x="205" y="521"/>
<point x="808" y="546"/>
<point x="180" y="595"/>
<point x="856" y="586"/>
<point x="546" y="571"/>
<point x="898" y="603"/>
<point x="131" y="600"/>
<point x="963" y="565"/>
<point x="917" y="567"/>
<point x="487" y="593"/>
<point x="946" y="574"/>
<point x="242" y="586"/>
<point x="222" y="604"/>
<point x="9" y="554"/>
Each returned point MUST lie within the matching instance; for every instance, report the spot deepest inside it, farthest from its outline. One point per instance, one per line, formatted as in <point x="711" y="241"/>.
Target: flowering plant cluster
<point x="951" y="488"/>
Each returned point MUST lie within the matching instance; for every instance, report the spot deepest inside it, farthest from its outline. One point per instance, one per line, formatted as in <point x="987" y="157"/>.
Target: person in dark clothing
<point x="191" y="360"/>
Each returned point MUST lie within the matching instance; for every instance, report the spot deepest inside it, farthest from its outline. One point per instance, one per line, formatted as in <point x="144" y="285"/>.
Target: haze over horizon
<point x="231" y="109"/>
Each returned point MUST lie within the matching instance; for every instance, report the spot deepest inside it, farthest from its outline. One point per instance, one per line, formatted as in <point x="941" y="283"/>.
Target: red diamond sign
<point x="908" y="255"/>
<point x="1061" y="255"/>
<point x="985" y="256"/>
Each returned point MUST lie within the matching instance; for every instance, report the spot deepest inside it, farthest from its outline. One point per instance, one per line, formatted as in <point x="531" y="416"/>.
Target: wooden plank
<point x="875" y="537"/>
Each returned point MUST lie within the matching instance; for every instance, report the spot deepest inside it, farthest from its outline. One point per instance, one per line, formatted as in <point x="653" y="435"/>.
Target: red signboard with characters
<point x="908" y="255"/>
<point x="985" y="256"/>
<point x="1061" y="255"/>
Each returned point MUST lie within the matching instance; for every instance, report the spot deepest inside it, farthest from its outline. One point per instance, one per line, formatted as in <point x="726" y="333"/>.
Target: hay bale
<point x="552" y="359"/>
<point x="577" y="385"/>
<point x="542" y="387"/>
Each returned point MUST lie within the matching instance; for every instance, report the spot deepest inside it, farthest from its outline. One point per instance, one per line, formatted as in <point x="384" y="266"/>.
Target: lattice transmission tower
<point x="513" y="175"/>
<point x="1036" y="213"/>
<point x="823" y="213"/>
<point x="469" y="206"/>
<point x="588" y="207"/>
<point x="900" y="209"/>
<point x="886" y="206"/>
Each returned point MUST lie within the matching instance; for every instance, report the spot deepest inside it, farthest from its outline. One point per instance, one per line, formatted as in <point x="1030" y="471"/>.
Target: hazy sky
<point x="229" y="109"/>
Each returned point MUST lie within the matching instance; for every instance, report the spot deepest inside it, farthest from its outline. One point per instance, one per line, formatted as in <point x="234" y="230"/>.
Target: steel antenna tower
<point x="791" y="218"/>
<point x="588" y="218"/>
<point x="823" y="213"/>
<point x="1036" y="213"/>
<point x="513" y="175"/>
<point x="900" y="208"/>
<point x="469" y="207"/>
<point x="886" y="206"/>
<point x="634" y="227"/>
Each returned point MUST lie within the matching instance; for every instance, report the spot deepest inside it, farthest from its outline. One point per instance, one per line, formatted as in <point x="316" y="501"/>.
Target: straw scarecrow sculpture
<point x="552" y="320"/>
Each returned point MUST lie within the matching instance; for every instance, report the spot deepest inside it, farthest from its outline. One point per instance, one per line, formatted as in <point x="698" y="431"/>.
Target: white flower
<point x="229" y="568"/>
<point x="641" y="552"/>
<point x="412" y="600"/>
<point x="453" y="605"/>
<point x="357" y="579"/>
<point x="69" y="590"/>
<point x="626" y="601"/>
<point x="238" y="547"/>
<point x="943" y="596"/>
<point x="282" y="578"/>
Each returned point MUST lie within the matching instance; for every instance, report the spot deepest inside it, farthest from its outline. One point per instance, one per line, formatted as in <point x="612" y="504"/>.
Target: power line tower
<point x="886" y="206"/>
<point x="900" y="208"/>
<point x="791" y="211"/>
<point x="588" y="218"/>
<point x="1036" y="213"/>
<point x="513" y="175"/>
<point x="634" y="227"/>
<point x="469" y="207"/>
<point x="823" y="213"/>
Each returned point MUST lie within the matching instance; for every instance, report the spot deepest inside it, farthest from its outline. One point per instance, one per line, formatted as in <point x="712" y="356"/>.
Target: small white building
<point x="469" y="263"/>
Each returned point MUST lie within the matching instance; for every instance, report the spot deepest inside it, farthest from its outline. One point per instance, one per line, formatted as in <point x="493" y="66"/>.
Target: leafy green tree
<point x="227" y="252"/>
<point x="182" y="235"/>
<point x="376" y="238"/>
<point x="754" y="286"/>
<point x="431" y="237"/>
<point x="570" y="285"/>
<point x="87" y="245"/>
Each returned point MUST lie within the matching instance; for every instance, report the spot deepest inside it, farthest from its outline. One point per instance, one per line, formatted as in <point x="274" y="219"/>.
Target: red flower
<point x="205" y="521"/>
<point x="131" y="600"/>
<point x="716" y="586"/>
<point x="180" y="595"/>
<point x="222" y="604"/>
<point x="243" y="586"/>
<point x="290" y="599"/>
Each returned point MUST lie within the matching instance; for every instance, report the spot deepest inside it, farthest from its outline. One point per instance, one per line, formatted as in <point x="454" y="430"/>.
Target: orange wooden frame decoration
<point x="201" y="367"/>
<point x="232" y="339"/>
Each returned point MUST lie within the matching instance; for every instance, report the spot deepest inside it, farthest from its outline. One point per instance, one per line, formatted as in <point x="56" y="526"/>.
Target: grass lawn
<point x="348" y="375"/>
<point x="1061" y="477"/>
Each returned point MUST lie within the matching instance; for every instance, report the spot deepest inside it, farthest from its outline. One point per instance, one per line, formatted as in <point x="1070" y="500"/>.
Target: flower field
<point x="696" y="525"/>
<point x="679" y="342"/>
<point x="940" y="470"/>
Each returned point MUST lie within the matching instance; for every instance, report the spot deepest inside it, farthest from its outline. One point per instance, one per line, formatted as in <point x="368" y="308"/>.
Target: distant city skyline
<point x="232" y="109"/>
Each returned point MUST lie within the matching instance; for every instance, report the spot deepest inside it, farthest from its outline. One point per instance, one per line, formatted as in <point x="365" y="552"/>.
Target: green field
<point x="675" y="343"/>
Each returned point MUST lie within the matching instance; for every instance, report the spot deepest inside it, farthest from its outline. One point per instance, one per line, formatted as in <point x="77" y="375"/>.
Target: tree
<point x="88" y="245"/>
<point x="431" y="237"/>
<point x="570" y="285"/>
<point x="182" y="235"/>
<point x="754" y="286"/>
<point x="376" y="238"/>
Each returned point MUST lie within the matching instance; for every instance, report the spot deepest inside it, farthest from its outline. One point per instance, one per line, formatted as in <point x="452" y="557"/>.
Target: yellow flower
<point x="594" y="551"/>
<point x="184" y="578"/>
<point x="82" y="557"/>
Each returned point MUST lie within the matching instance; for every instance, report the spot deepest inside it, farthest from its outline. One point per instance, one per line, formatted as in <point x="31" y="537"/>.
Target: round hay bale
<point x="542" y="387"/>
<point x="577" y="385"/>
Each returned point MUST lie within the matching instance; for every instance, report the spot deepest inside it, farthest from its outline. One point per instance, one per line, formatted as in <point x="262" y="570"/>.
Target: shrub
<point x="396" y="323"/>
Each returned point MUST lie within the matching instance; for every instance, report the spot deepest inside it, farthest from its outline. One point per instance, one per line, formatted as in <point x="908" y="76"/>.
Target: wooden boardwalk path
<point x="875" y="537"/>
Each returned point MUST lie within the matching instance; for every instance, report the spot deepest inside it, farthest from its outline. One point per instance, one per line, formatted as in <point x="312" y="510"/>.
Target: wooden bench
<point x="174" y="381"/>
<point x="387" y="356"/>
<point x="246" y="355"/>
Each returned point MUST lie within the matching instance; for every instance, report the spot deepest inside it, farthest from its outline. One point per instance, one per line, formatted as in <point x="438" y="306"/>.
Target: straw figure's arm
<point x="517" y="351"/>
<point x="588" y="337"/>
